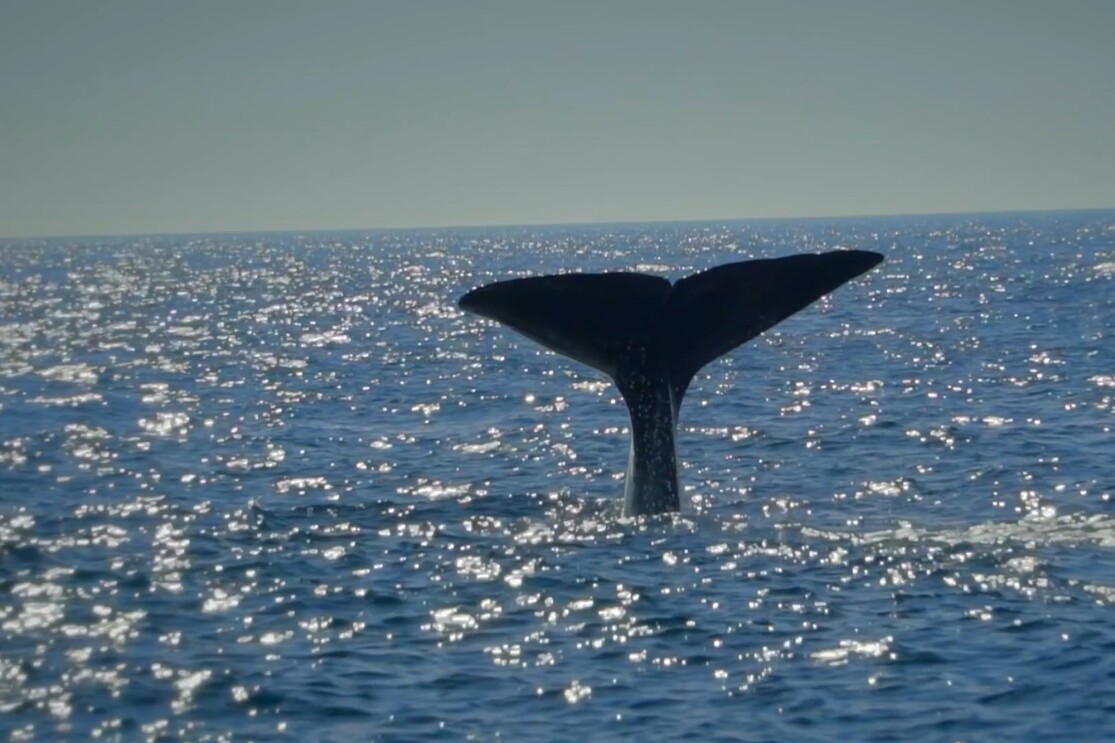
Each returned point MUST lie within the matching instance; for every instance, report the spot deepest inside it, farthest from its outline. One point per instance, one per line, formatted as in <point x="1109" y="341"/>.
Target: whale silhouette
<point x="650" y="337"/>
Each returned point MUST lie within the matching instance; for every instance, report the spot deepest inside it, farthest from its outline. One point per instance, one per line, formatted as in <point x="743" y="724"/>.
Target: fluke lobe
<point x="651" y="337"/>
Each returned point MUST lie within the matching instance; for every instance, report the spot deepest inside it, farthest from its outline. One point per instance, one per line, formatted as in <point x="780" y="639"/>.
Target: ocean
<point x="278" y="486"/>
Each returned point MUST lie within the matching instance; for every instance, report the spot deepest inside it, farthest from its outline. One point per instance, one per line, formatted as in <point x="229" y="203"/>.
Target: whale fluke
<point x="651" y="337"/>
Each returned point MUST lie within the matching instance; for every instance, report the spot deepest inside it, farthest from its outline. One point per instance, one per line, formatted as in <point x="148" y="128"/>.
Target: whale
<point x="650" y="336"/>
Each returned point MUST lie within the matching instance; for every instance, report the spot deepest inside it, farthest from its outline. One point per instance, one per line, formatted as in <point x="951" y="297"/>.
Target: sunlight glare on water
<point x="279" y="485"/>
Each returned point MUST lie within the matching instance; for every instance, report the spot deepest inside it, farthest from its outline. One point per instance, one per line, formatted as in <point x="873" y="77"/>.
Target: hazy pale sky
<point x="152" y="116"/>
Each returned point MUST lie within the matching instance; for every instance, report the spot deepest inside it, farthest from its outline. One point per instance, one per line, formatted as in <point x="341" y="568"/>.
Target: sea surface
<point x="278" y="486"/>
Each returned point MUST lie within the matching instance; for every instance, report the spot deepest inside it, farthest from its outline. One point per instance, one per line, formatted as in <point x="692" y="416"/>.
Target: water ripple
<point x="280" y="484"/>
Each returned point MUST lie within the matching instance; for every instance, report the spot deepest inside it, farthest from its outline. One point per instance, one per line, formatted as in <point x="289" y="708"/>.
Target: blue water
<point x="279" y="486"/>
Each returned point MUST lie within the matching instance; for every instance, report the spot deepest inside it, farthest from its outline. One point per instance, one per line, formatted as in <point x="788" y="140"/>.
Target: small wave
<point x="78" y="373"/>
<point x="166" y="424"/>
<point x="68" y="400"/>
<point x="1105" y="270"/>
<point x="331" y="337"/>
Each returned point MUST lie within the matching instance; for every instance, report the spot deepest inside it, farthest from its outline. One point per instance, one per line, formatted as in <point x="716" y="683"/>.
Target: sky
<point x="211" y="116"/>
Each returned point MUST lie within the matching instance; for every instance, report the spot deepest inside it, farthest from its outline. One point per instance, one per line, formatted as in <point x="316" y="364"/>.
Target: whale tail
<point x="650" y="336"/>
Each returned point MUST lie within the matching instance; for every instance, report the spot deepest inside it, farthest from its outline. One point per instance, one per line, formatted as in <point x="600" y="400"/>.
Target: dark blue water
<point x="271" y="486"/>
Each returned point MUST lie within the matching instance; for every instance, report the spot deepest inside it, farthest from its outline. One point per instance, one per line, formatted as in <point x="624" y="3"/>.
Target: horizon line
<point x="523" y="225"/>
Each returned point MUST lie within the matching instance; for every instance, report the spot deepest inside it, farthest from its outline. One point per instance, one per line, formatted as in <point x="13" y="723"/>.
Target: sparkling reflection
<point x="281" y="484"/>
